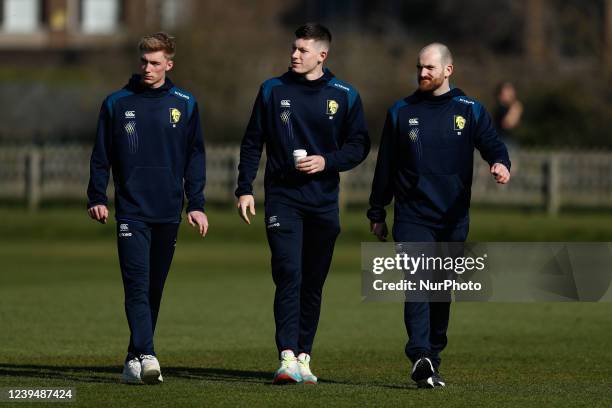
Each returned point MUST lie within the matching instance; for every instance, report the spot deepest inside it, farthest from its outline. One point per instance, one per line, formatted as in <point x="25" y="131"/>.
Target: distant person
<point x="425" y="161"/>
<point x="507" y="113"/>
<point x="149" y="134"/>
<point x="307" y="112"/>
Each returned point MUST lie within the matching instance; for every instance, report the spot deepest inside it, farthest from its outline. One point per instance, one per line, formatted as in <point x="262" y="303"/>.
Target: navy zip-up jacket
<point x="426" y="158"/>
<point x="324" y="117"/>
<point x="152" y="140"/>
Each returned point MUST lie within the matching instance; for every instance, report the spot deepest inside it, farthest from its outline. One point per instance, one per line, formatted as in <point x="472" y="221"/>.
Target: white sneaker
<point x="131" y="372"/>
<point x="151" y="372"/>
<point x="304" y="366"/>
<point x="289" y="371"/>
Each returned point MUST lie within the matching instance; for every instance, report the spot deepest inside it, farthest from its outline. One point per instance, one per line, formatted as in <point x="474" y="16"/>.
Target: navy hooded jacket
<point x="152" y="140"/>
<point x="426" y="158"/>
<point x="324" y="117"/>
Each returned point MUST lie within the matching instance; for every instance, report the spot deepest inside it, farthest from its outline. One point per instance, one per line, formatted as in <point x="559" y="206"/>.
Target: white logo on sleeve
<point x="130" y="114"/>
<point x="286" y="103"/>
<point x="413" y="121"/>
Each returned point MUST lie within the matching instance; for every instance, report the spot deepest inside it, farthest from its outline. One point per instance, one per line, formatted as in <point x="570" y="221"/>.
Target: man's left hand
<point x="200" y="220"/>
<point x="311" y="164"/>
<point x="501" y="173"/>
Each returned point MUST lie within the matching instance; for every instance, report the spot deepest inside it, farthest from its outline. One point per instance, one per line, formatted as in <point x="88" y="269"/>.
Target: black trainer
<point x="437" y="379"/>
<point x="422" y="372"/>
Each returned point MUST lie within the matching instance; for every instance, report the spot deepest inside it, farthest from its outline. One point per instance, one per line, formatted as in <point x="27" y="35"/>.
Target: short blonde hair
<point x="158" y="42"/>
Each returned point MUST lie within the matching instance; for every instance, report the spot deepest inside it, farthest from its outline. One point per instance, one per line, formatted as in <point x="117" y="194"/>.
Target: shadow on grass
<point x="111" y="374"/>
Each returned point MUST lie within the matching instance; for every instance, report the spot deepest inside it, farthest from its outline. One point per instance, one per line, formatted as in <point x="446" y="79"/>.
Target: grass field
<point x="62" y="323"/>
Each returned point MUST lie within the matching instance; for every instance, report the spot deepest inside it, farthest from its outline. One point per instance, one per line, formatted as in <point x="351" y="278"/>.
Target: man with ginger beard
<point x="425" y="163"/>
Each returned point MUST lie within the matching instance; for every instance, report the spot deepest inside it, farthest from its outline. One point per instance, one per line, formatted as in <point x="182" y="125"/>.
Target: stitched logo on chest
<point x="285" y="115"/>
<point x="332" y="107"/>
<point x="175" y="115"/>
<point x="132" y="136"/>
<point x="413" y="134"/>
<point x="459" y="122"/>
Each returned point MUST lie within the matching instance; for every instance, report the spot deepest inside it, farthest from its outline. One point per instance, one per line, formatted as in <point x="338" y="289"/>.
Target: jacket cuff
<point x="330" y="163"/>
<point x="194" y="208"/>
<point x="240" y="191"/>
<point x="502" y="161"/>
<point x="377" y="214"/>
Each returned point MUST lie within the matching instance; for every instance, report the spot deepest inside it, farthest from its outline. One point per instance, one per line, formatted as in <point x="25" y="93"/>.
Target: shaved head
<point x="446" y="58"/>
<point x="434" y="67"/>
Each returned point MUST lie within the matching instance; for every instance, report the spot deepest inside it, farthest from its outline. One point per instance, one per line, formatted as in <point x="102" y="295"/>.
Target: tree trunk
<point x="607" y="43"/>
<point x="534" y="37"/>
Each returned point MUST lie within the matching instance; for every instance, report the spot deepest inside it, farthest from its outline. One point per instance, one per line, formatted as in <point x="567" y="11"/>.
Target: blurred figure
<point x="313" y="128"/>
<point x="425" y="162"/>
<point x="507" y="113"/>
<point x="149" y="134"/>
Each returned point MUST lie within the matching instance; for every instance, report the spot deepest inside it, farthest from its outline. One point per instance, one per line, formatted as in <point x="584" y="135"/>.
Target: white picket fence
<point x="540" y="178"/>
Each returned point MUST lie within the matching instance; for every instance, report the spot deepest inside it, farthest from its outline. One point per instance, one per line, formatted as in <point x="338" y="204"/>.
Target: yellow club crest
<point x="332" y="107"/>
<point x="175" y="115"/>
<point x="459" y="122"/>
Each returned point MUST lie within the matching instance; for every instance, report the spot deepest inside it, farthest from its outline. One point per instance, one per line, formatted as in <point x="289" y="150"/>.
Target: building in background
<point x="31" y="25"/>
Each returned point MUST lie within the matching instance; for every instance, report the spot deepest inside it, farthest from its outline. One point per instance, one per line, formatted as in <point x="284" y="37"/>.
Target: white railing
<point x="544" y="178"/>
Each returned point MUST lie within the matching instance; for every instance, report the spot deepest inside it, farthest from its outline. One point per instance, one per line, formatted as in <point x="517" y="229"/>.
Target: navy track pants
<point x="145" y="255"/>
<point x="302" y="243"/>
<point x="427" y="322"/>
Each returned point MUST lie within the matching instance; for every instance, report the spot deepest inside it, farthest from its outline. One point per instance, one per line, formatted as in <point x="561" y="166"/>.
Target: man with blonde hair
<point x="149" y="134"/>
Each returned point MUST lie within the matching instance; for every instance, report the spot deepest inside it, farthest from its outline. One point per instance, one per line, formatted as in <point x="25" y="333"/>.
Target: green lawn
<point x="62" y="323"/>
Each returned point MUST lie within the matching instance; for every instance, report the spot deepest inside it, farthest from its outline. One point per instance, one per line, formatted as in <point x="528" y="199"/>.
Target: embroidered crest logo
<point x="175" y="115"/>
<point x="459" y="122"/>
<point x="332" y="107"/>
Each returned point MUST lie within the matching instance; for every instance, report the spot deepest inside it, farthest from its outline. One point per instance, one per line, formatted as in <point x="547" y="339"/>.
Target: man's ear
<point x="323" y="55"/>
<point x="169" y="65"/>
<point x="448" y="70"/>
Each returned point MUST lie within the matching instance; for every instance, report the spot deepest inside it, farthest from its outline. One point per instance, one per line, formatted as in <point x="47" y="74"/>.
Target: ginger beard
<point x="429" y="83"/>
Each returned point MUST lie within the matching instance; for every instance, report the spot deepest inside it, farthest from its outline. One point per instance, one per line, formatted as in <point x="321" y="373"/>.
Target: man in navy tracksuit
<point x="425" y="162"/>
<point x="308" y="109"/>
<point x="149" y="134"/>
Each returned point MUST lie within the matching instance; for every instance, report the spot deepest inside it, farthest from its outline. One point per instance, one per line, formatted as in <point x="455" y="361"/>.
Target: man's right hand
<point x="380" y="230"/>
<point x="244" y="202"/>
<point x="99" y="213"/>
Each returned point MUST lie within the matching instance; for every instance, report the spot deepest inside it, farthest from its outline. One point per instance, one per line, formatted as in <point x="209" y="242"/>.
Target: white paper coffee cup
<point x="298" y="155"/>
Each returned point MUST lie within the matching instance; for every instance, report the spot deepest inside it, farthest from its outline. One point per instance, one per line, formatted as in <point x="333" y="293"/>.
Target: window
<point x="174" y="12"/>
<point x="20" y="16"/>
<point x="99" y="16"/>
